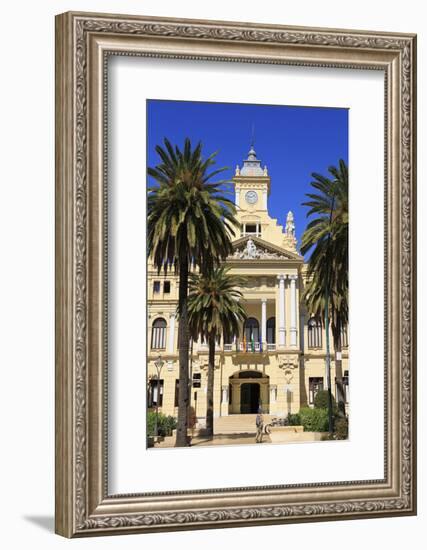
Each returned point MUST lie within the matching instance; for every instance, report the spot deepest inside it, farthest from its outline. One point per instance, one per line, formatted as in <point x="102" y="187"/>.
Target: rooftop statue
<point x="290" y="225"/>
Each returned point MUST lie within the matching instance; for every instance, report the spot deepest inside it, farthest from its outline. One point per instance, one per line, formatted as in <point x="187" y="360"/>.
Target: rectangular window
<point x="156" y="287"/>
<point x="167" y="287"/>
<point x="197" y="380"/>
<point x="155" y="393"/>
<point x="315" y="385"/>
<point x="251" y="230"/>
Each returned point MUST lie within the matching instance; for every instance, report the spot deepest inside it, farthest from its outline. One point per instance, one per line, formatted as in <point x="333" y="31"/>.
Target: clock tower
<point x="252" y="189"/>
<point x="251" y="184"/>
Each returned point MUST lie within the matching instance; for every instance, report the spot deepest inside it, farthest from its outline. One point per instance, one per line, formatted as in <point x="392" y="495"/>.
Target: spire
<point x="252" y="165"/>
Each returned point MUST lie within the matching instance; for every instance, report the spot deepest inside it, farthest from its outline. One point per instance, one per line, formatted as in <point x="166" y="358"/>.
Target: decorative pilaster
<point x="293" y="325"/>
<point x="237" y="196"/>
<point x="224" y="400"/>
<point x="282" y="322"/>
<point x="264" y="323"/>
<point x="171" y="343"/>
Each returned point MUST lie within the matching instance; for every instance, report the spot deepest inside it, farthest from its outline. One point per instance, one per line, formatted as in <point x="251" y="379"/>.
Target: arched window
<point x="271" y="330"/>
<point x="158" y="334"/>
<point x="251" y="330"/>
<point x="314" y="333"/>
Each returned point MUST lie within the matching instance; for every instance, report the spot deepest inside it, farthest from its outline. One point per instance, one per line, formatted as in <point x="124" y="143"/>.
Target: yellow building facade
<point x="278" y="362"/>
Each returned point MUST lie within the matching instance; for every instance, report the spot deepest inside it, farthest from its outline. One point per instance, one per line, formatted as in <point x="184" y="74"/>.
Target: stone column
<point x="171" y="343"/>
<point x="264" y="323"/>
<point x="293" y="325"/>
<point x="282" y="322"/>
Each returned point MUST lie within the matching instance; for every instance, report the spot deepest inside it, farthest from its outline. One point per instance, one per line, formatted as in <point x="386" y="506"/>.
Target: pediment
<point x="254" y="248"/>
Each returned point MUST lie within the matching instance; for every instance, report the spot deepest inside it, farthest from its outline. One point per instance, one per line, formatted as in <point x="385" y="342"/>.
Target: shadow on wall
<point x="45" y="522"/>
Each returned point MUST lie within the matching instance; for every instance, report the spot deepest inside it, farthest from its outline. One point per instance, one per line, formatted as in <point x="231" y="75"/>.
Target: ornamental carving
<point x="251" y="252"/>
<point x="288" y="376"/>
<point x="288" y="362"/>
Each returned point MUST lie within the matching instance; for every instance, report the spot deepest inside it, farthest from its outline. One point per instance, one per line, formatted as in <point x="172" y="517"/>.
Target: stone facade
<point x="278" y="362"/>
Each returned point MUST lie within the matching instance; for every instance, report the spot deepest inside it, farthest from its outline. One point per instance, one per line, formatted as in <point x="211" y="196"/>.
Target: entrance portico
<point x="249" y="391"/>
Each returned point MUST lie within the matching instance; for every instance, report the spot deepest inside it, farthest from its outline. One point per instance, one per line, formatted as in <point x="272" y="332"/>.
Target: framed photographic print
<point x="235" y="274"/>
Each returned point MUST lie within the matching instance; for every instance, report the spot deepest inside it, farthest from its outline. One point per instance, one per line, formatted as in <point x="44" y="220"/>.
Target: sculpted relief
<point x="251" y="252"/>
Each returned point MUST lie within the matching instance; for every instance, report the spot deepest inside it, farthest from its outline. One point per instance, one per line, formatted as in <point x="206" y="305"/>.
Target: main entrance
<point x="248" y="392"/>
<point x="249" y="397"/>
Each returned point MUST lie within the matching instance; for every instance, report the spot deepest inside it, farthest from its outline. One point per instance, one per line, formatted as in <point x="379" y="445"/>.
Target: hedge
<point x="314" y="420"/>
<point x="165" y="424"/>
<point x="321" y="401"/>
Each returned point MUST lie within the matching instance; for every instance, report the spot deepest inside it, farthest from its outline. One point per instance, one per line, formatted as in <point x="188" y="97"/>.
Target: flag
<point x="252" y="342"/>
<point x="244" y="342"/>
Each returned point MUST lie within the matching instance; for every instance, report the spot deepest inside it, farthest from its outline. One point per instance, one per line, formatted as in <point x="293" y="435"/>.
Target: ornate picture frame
<point x="84" y="42"/>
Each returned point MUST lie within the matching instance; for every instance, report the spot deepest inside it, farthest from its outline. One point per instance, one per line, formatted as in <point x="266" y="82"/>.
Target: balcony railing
<point x="249" y="347"/>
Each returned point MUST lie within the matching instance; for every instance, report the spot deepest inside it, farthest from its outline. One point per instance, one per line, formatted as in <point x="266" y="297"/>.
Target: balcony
<point x="249" y="347"/>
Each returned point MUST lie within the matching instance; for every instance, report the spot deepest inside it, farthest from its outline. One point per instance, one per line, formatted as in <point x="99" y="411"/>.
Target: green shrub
<point x="321" y="401"/>
<point x="314" y="420"/>
<point x="341" y="428"/>
<point x="294" y="419"/>
<point x="165" y="424"/>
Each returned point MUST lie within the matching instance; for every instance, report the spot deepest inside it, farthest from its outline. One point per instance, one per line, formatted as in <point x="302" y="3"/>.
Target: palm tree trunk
<point x="210" y="388"/>
<point x="338" y="370"/>
<point x="183" y="343"/>
<point x="328" y="365"/>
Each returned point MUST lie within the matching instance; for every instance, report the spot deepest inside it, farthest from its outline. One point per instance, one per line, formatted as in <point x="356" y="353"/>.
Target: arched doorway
<point x="249" y="391"/>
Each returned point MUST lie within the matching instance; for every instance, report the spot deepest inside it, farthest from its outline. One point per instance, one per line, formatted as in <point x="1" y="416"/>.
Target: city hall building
<point x="278" y="363"/>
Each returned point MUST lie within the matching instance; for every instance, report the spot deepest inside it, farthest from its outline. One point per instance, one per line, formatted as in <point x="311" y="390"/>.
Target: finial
<point x="253" y="136"/>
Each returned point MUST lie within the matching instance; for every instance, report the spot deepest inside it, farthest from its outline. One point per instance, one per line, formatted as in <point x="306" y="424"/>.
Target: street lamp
<point x="159" y="365"/>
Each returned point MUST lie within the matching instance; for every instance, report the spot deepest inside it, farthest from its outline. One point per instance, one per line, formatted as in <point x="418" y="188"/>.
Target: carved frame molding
<point x="83" y="43"/>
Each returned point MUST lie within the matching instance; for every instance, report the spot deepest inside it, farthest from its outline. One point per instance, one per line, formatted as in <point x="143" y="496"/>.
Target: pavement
<point x="221" y="439"/>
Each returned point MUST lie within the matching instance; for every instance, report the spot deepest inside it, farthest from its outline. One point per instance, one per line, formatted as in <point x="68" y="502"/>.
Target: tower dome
<point x="252" y="165"/>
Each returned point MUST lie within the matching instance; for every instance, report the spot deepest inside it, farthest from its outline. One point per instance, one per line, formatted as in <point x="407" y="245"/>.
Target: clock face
<point x="251" y="197"/>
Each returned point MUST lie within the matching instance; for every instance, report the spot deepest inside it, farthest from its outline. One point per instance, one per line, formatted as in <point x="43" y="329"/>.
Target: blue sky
<point x="292" y="141"/>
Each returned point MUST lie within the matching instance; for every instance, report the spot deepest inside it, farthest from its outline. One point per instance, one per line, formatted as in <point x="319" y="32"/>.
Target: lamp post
<point x="159" y="365"/>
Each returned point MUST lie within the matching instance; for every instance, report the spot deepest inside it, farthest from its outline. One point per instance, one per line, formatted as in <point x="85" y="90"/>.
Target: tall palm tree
<point x="214" y="309"/>
<point x="189" y="220"/>
<point x="326" y="292"/>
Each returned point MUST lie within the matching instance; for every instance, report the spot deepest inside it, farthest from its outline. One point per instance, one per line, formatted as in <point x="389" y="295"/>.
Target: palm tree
<point x="326" y="292"/>
<point x="214" y="309"/>
<point x="189" y="220"/>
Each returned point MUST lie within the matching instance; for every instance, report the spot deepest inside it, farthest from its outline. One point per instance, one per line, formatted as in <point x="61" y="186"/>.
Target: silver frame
<point x="83" y="43"/>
